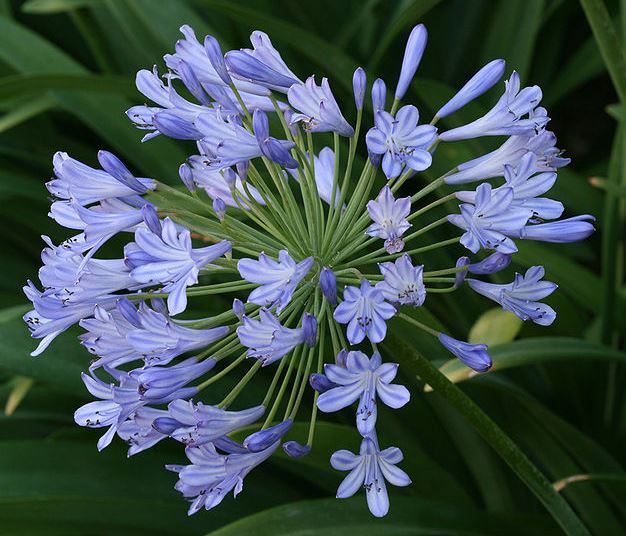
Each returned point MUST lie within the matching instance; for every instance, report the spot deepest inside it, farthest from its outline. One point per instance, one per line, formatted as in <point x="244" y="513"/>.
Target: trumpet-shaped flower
<point x="362" y="379"/>
<point x="365" y="311"/>
<point x="403" y="282"/>
<point x="403" y="144"/>
<point x="522" y="295"/>
<point x="389" y="215"/>
<point x="370" y="470"/>
<point x="277" y="279"/>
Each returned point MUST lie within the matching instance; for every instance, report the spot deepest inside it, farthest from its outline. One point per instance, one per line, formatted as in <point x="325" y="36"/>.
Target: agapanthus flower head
<point x="272" y="218"/>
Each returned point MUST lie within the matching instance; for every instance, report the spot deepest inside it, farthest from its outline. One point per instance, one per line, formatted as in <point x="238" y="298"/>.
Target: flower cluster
<point x="315" y="257"/>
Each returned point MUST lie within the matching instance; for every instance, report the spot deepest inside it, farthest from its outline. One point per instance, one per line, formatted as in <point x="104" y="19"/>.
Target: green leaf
<point x="534" y="479"/>
<point x="46" y="7"/>
<point x="331" y="517"/>
<point x="495" y="326"/>
<point x="536" y="351"/>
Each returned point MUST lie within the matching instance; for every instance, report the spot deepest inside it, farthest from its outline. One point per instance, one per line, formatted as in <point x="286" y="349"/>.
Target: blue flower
<point x="389" y="215"/>
<point x="506" y="117"/>
<point x="328" y="285"/>
<point x="171" y="260"/>
<point x="277" y="279"/>
<point x="488" y="223"/>
<point x="293" y="449"/>
<point x="155" y="382"/>
<point x="317" y="107"/>
<point x="541" y="143"/>
<point x="258" y="441"/>
<point x="561" y="231"/>
<point x="359" y="83"/>
<point x="51" y="316"/>
<point x="118" y="402"/>
<point x="522" y="295"/>
<point x="78" y="183"/>
<point x="527" y="185"/>
<point x="190" y="52"/>
<point x="491" y="264"/>
<point x="475" y="356"/>
<point x="99" y="223"/>
<point x="199" y="424"/>
<point x="363" y="379"/>
<point x="212" y="475"/>
<point x="379" y="95"/>
<point x="413" y="53"/>
<point x="478" y="84"/>
<point x="403" y="283"/>
<point x="403" y="143"/>
<point x="138" y="431"/>
<point x="275" y="150"/>
<point x="365" y="311"/>
<point x="127" y="334"/>
<point x="324" y="167"/>
<point x="217" y="184"/>
<point x="268" y="340"/>
<point x="370" y="469"/>
<point x="261" y="65"/>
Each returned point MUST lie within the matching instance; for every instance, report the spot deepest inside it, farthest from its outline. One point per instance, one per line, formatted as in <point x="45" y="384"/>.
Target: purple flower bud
<point x="561" y="231"/>
<point x="328" y="284"/>
<point x="219" y="207"/>
<point x="214" y="52"/>
<point x="169" y="123"/>
<point x="192" y="83"/>
<point x="459" y="277"/>
<point x="239" y="308"/>
<point x="359" y="81"/>
<point x="341" y="357"/>
<point x="262" y="439"/>
<point x="242" y="169"/>
<point x="474" y="356"/>
<point x="278" y="152"/>
<point x="320" y="383"/>
<point x="490" y="265"/>
<point x="412" y="56"/>
<point x="482" y="81"/>
<point x="379" y="95"/>
<point x="260" y="125"/>
<point x="230" y="177"/>
<point x="151" y="219"/>
<point x="309" y="328"/>
<point x="295" y="449"/>
<point x="249" y="68"/>
<point x="186" y="175"/>
<point x="116" y="168"/>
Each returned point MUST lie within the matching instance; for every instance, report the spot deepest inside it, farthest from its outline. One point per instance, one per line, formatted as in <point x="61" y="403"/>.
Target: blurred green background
<point x="67" y="76"/>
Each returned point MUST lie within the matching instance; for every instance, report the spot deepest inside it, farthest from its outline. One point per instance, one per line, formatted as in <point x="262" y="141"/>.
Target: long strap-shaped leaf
<point x="499" y="441"/>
